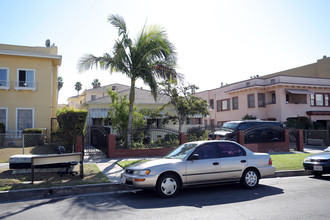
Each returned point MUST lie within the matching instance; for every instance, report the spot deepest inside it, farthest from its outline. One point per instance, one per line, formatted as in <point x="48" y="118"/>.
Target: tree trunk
<point x="130" y="116"/>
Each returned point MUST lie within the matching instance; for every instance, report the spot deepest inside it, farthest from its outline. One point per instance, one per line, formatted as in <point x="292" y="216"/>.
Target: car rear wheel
<point x="167" y="185"/>
<point x="250" y="179"/>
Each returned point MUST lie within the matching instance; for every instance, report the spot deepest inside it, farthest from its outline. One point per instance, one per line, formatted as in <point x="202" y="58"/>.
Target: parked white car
<point x="198" y="163"/>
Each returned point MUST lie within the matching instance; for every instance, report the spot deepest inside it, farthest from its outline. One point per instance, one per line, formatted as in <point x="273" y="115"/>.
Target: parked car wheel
<point x="167" y="185"/>
<point x="250" y="179"/>
<point x="318" y="174"/>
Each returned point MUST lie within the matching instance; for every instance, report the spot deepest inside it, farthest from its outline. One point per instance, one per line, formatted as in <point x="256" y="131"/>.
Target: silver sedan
<point x="198" y="163"/>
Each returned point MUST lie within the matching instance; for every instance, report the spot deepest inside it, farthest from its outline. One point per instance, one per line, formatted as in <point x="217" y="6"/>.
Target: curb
<point x="47" y="193"/>
<point x="52" y="192"/>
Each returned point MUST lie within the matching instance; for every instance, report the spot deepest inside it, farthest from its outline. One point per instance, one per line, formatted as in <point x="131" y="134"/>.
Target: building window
<point x="93" y="97"/>
<point x="26" y="79"/>
<point x="4" y="78"/>
<point x="24" y="119"/>
<point x="251" y="103"/>
<point x="261" y="100"/>
<point x="272" y="81"/>
<point x="219" y="123"/>
<point x="218" y="106"/>
<point x="194" y="121"/>
<point x="235" y="103"/>
<point x="3" y="116"/>
<point x="211" y="103"/>
<point x="212" y="122"/>
<point x="320" y="99"/>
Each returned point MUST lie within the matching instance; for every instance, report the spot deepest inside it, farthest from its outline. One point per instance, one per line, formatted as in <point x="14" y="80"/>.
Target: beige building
<point x="97" y="103"/>
<point x="28" y="86"/>
<point x="299" y="92"/>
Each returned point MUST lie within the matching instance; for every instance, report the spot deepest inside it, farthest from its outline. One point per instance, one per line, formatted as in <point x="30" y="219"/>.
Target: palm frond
<point x="88" y="61"/>
<point x="119" y="23"/>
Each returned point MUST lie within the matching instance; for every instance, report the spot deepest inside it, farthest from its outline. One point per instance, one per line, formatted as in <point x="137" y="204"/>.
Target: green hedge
<point x="32" y="131"/>
<point x="71" y="124"/>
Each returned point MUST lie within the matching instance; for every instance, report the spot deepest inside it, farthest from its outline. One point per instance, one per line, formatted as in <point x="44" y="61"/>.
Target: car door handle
<point x="216" y="163"/>
<point x="243" y="161"/>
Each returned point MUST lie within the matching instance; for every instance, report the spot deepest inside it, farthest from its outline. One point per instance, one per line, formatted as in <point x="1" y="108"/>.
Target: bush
<point x="32" y="131"/>
<point x="71" y="124"/>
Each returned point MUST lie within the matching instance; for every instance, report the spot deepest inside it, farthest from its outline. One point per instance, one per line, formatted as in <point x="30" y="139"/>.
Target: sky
<point x="216" y="41"/>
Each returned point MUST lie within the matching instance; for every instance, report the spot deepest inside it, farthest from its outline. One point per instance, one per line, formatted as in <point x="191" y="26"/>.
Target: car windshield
<point x="182" y="151"/>
<point x="230" y="125"/>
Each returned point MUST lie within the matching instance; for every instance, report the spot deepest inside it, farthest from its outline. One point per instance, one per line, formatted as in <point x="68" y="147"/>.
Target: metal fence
<point x="19" y="140"/>
<point x="316" y="137"/>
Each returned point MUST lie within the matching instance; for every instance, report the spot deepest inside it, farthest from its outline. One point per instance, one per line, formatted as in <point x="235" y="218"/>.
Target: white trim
<point x="17" y="116"/>
<point x="17" y="87"/>
<point x="29" y="54"/>
<point x="8" y="81"/>
<point x="6" y="116"/>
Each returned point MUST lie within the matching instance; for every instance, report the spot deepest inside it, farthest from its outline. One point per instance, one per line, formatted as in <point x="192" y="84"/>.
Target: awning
<point x="99" y="113"/>
<point x="299" y="91"/>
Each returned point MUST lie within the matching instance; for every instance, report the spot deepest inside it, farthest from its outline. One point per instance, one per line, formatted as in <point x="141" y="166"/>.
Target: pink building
<point x="300" y="92"/>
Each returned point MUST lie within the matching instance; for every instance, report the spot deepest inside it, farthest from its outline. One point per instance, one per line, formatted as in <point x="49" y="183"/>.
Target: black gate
<point x="293" y="137"/>
<point x="96" y="141"/>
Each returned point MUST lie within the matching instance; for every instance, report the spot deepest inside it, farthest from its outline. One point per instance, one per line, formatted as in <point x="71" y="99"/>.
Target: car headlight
<point x="141" y="172"/>
<point x="307" y="159"/>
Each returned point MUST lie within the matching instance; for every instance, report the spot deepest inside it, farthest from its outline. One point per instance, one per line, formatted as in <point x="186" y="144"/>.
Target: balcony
<point x="5" y="84"/>
<point x="25" y="85"/>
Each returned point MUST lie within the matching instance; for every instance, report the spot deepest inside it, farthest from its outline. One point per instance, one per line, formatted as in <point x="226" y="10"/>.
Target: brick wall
<point x="267" y="147"/>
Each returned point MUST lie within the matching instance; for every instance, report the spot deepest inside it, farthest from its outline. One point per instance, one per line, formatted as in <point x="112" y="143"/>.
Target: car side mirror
<point x="194" y="157"/>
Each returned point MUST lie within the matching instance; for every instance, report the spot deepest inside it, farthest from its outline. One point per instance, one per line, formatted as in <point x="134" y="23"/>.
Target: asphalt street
<point x="300" y="198"/>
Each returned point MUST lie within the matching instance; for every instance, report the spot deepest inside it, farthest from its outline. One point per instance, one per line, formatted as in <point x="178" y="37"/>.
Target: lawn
<point x="288" y="161"/>
<point x="9" y="181"/>
<point x="126" y="163"/>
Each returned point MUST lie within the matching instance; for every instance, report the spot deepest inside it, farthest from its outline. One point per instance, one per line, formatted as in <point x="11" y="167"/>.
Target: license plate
<point x="318" y="168"/>
<point x="123" y="179"/>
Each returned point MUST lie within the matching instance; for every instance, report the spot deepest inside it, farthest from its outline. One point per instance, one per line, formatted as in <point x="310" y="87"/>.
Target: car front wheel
<point x="250" y="179"/>
<point x="167" y="185"/>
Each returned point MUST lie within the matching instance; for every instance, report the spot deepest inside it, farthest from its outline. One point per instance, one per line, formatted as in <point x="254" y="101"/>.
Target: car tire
<point x="318" y="174"/>
<point x="168" y="185"/>
<point x="250" y="179"/>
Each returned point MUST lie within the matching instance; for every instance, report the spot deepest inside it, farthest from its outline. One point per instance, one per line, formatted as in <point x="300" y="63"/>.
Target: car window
<point x="182" y="151"/>
<point x="206" y="151"/>
<point x="242" y="126"/>
<point x="230" y="150"/>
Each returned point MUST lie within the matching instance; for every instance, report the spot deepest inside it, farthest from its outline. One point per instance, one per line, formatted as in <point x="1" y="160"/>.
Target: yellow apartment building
<point x="28" y="86"/>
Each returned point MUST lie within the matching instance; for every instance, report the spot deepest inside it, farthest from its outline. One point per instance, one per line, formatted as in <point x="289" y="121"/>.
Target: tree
<point x="150" y="57"/>
<point x="96" y="83"/>
<point x="78" y="86"/>
<point x="59" y="83"/>
<point x="120" y="113"/>
<point x="184" y="102"/>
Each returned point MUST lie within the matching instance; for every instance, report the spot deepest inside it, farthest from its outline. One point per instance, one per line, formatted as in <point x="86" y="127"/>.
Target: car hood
<point x="322" y="156"/>
<point x="153" y="163"/>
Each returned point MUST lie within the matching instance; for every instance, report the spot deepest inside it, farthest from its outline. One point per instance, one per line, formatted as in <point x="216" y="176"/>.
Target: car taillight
<point x="270" y="161"/>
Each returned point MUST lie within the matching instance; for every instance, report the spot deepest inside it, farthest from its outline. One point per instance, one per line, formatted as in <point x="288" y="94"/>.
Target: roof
<point x="142" y="96"/>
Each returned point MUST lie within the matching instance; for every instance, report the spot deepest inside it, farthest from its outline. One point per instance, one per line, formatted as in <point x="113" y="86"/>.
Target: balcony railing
<point x="25" y="85"/>
<point x="4" y="84"/>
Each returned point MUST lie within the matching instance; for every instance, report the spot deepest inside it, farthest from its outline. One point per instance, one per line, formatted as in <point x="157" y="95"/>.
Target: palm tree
<point x="150" y="57"/>
<point x="96" y="84"/>
<point x="59" y="83"/>
<point x="78" y="86"/>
